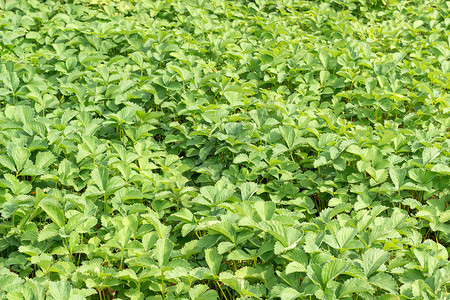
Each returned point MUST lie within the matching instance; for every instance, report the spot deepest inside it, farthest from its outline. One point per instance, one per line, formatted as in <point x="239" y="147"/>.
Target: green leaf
<point x="265" y="209"/>
<point x="384" y="281"/>
<point x="373" y="259"/>
<point x="44" y="160"/>
<point x="161" y="229"/>
<point x="239" y="254"/>
<point x="100" y="177"/>
<point x="25" y="113"/>
<point x="354" y="285"/>
<point x="54" y="212"/>
<point x="332" y="269"/>
<point x="429" y="154"/>
<point x="164" y="249"/>
<point x="441" y="169"/>
<point x="213" y="259"/>
<point x="323" y="275"/>
<point x="314" y="272"/>
<point x="127" y="274"/>
<point x="124" y="236"/>
<point x="201" y="292"/>
<point x="324" y="58"/>
<point x="237" y="284"/>
<point x="20" y="155"/>
<point x="247" y="190"/>
<point x="371" y="83"/>
<point x="344" y="237"/>
<point x="227" y="229"/>
<point x="294" y="267"/>
<point x="224" y="247"/>
<point x="9" y="280"/>
<point x="289" y="294"/>
<point x="134" y="294"/>
<point x="16" y="186"/>
<point x="214" y="195"/>
<point x="8" y="162"/>
<point x="397" y="176"/>
<point x="59" y="290"/>
<point x="288" y="135"/>
<point x="49" y="231"/>
<point x="324" y="76"/>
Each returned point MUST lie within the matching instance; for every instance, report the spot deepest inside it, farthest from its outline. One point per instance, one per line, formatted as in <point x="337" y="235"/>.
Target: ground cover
<point x="224" y="149"/>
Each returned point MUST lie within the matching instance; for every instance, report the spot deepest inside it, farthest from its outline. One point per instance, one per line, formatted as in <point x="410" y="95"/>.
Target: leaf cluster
<point x="222" y="149"/>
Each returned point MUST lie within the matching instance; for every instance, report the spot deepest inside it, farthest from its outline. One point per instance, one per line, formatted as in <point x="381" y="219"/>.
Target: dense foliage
<point x="203" y="149"/>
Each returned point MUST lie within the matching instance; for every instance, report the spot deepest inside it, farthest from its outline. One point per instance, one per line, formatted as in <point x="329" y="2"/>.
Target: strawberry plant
<point x="221" y="149"/>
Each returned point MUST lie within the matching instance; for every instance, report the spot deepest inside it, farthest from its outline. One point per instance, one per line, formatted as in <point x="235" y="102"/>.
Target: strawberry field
<point x="217" y="149"/>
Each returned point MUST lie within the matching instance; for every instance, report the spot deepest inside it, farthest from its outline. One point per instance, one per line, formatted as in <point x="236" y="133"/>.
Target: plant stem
<point x="163" y="288"/>
<point x="220" y="288"/>
<point x="121" y="259"/>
